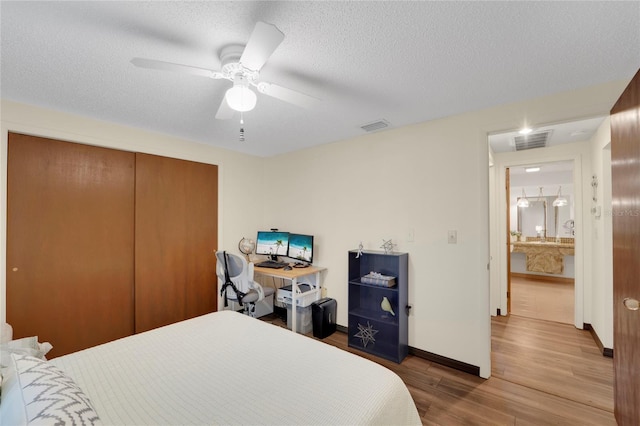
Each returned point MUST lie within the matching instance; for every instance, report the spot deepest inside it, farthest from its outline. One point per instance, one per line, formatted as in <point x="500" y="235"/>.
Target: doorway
<point x="589" y="158"/>
<point x="560" y="142"/>
<point x="541" y="221"/>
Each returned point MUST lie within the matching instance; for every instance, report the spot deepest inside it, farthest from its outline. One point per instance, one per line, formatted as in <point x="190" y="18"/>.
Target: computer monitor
<point x="301" y="247"/>
<point x="272" y="243"/>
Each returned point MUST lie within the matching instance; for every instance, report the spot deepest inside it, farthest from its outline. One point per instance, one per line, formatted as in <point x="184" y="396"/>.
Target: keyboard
<point x="271" y="264"/>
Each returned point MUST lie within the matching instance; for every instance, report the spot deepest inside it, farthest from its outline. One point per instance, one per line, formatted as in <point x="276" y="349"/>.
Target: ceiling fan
<point x="241" y="65"/>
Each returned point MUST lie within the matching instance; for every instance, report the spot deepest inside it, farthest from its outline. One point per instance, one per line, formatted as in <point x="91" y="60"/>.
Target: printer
<point x="283" y="295"/>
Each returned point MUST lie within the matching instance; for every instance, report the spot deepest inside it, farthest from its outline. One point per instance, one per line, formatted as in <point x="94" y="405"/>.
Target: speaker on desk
<point x="323" y="316"/>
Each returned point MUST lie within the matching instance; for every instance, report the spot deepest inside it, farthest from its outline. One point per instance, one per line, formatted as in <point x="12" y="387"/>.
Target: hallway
<point x="538" y="299"/>
<point x="556" y="359"/>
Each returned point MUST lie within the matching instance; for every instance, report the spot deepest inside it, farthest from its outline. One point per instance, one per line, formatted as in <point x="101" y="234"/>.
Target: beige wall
<point x="387" y="185"/>
<point x="424" y="179"/>
<point x="427" y="178"/>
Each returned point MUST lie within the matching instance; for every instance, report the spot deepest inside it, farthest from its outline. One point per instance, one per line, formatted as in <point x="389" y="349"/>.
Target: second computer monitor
<point x="301" y="247"/>
<point x="272" y="243"/>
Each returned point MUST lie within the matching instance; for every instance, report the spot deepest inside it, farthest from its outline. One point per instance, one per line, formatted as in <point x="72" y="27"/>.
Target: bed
<point x="227" y="368"/>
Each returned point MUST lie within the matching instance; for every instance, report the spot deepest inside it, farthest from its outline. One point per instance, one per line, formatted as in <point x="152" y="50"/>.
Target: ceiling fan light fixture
<point x="240" y="97"/>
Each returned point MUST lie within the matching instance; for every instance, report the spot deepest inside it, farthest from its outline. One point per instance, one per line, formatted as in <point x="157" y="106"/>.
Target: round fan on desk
<point x="246" y="247"/>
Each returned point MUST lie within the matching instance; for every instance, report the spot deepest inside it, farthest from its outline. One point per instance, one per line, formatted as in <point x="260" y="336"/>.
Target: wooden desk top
<point x="294" y="273"/>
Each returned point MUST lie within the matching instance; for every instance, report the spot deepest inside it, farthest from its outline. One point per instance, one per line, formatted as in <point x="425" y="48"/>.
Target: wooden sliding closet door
<point x="176" y="236"/>
<point x="69" y="242"/>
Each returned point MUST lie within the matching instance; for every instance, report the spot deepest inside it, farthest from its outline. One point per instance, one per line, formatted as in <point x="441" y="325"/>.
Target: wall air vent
<point x="532" y="140"/>
<point x="376" y="125"/>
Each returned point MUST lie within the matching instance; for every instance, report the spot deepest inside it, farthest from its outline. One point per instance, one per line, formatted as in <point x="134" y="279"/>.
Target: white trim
<point x="543" y="156"/>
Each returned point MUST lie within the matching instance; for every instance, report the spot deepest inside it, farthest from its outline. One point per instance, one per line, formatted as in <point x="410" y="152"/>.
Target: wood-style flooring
<point x="552" y="301"/>
<point x="543" y="373"/>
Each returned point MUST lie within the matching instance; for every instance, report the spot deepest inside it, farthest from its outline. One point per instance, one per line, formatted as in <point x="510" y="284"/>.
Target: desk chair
<point x="257" y="301"/>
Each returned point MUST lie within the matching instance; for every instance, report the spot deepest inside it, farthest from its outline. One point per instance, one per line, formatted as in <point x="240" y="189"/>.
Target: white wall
<point x="239" y="183"/>
<point x="427" y="178"/>
<point x="602" y="265"/>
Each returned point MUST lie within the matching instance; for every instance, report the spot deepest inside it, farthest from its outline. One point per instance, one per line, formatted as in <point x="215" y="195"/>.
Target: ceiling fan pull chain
<point x="241" y="127"/>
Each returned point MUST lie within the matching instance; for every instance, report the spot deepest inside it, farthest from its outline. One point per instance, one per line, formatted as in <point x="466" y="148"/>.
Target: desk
<point x="293" y="275"/>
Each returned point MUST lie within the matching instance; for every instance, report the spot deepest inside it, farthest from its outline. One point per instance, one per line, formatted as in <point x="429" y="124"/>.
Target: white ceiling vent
<point x="532" y="140"/>
<point x="376" y="125"/>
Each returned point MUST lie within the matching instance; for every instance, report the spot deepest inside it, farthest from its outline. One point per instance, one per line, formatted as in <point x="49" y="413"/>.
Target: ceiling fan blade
<point x="264" y="39"/>
<point x="288" y="95"/>
<point x="224" y="111"/>
<point x="168" y="66"/>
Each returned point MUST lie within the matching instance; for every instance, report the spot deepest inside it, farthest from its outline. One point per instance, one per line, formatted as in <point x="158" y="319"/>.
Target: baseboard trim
<point x="438" y="359"/>
<point x="447" y="362"/>
<point x="608" y="352"/>
<point x="561" y="280"/>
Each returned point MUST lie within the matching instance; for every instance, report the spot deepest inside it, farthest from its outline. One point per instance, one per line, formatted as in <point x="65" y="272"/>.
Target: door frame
<point x="544" y="156"/>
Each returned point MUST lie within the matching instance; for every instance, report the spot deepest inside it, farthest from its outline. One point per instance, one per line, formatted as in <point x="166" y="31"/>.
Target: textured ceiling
<point x="405" y="62"/>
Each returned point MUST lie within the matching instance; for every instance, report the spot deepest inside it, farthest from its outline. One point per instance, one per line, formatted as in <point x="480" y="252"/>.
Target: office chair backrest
<point x="238" y="272"/>
<point x="236" y="265"/>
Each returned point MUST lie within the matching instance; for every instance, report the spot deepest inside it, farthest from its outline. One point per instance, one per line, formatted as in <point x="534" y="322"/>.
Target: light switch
<point x="453" y="237"/>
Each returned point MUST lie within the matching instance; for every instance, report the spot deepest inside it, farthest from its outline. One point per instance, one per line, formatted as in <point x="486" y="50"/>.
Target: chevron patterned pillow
<point x="36" y="392"/>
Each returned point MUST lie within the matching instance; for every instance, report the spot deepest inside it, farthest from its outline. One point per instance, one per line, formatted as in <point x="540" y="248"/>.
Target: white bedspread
<point x="226" y="368"/>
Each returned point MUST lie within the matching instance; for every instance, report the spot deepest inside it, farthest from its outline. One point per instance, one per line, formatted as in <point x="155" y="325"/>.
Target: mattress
<point x="227" y="368"/>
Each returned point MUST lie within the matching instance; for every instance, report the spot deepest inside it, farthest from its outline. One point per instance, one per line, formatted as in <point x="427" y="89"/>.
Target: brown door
<point x="176" y="237"/>
<point x="625" y="175"/>
<point x="69" y="242"/>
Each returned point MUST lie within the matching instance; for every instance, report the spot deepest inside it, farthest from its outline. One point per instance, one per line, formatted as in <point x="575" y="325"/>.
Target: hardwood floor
<point x="552" y="301"/>
<point x="543" y="373"/>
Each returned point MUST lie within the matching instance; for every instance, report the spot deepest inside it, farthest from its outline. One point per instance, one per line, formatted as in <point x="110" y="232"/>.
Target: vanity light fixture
<point x="532" y="169"/>
<point x="523" y="201"/>
<point x="560" y="200"/>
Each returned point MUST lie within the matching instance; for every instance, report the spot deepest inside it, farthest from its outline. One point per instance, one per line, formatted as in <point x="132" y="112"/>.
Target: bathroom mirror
<point x="533" y="216"/>
<point x="542" y="213"/>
